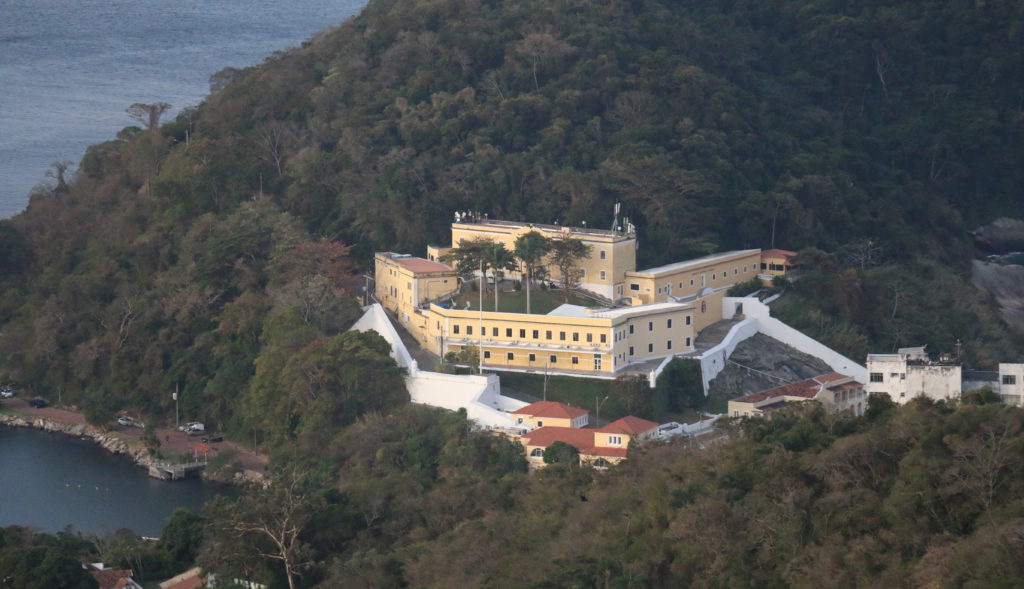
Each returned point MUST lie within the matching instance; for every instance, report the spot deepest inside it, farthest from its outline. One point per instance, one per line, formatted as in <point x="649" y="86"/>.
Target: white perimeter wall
<point x="480" y="395"/>
<point x="713" y="360"/>
<point x="766" y="324"/>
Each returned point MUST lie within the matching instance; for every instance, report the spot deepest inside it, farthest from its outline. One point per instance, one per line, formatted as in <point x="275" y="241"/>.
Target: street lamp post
<point x="597" y="418"/>
<point x="480" y="348"/>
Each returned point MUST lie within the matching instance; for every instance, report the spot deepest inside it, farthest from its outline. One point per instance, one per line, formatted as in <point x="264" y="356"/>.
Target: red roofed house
<point x="775" y="262"/>
<point x="600" y="447"/>
<point x="836" y="392"/>
<point x="112" y="578"/>
<point x="551" y="413"/>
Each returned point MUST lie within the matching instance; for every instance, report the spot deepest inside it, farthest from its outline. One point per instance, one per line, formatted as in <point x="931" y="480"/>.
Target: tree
<point x="531" y="248"/>
<point x="566" y="253"/>
<point x="148" y="114"/>
<point x="267" y="523"/>
<point x="498" y="259"/>
<point x="562" y="453"/>
<point x="470" y="256"/>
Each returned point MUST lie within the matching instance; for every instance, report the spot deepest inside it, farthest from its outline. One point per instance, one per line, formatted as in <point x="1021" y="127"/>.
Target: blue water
<point x="50" y="480"/>
<point x="69" y="68"/>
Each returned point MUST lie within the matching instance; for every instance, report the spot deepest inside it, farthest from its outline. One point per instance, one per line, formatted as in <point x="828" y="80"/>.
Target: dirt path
<point x="170" y="439"/>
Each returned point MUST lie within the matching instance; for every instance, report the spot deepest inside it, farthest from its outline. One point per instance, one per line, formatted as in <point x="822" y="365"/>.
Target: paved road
<point x="171" y="440"/>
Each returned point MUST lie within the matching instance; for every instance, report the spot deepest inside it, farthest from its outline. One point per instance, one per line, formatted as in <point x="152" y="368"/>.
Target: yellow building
<point x="690" y="277"/>
<point x="404" y="282"/>
<point x="668" y="305"/>
<point x="600" y="447"/>
<point x="776" y="262"/>
<point x="551" y="413"/>
<point x="612" y="253"/>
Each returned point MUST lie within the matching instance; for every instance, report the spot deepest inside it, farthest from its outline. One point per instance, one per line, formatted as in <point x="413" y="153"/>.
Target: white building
<point x="910" y="373"/>
<point x="1011" y="384"/>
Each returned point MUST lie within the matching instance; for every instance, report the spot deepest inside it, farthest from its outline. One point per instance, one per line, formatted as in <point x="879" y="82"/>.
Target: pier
<point x="174" y="472"/>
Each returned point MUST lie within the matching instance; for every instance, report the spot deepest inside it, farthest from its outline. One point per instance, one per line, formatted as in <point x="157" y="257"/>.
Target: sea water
<point x="70" y="68"/>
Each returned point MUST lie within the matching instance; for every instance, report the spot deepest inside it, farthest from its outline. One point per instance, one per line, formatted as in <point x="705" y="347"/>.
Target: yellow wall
<point x="536" y="422"/>
<point x="656" y="284"/>
<point x="619" y="250"/>
<point x="611" y="440"/>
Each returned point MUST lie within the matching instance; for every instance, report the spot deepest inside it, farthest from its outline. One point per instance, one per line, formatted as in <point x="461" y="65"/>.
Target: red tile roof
<point x="110" y="578"/>
<point x="551" y="409"/>
<point x="777" y="253"/>
<point x="629" y="425"/>
<point x="578" y="437"/>
<point x="807" y="389"/>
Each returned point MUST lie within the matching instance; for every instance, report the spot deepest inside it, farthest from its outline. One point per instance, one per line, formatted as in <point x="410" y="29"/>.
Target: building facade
<point x="911" y="372"/>
<point x="836" y="392"/>
<point x="1011" y="384"/>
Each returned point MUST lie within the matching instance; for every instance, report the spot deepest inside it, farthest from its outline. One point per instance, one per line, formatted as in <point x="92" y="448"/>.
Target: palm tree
<point x="531" y="248"/>
<point x="498" y="259"/>
<point x="566" y="254"/>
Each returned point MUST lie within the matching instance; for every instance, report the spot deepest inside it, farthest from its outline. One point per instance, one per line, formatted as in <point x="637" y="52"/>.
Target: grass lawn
<point x="581" y="392"/>
<point x="541" y="301"/>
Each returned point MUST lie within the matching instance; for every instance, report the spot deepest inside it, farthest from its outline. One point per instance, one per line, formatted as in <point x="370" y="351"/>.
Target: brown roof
<point x="581" y="438"/>
<point x="777" y="253"/>
<point x="629" y="425"/>
<point x="419" y="265"/>
<point x="807" y="389"/>
<point x="110" y="578"/>
<point x="551" y="409"/>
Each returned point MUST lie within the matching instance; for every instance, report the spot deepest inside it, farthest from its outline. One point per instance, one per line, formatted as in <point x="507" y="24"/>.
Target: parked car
<point x="213" y="439"/>
<point x="7" y="393"/>
<point x="37" y="403"/>
<point x="125" y="421"/>
<point x="193" y="427"/>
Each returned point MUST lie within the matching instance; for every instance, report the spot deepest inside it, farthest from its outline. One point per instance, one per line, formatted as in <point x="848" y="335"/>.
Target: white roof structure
<point x="677" y="266"/>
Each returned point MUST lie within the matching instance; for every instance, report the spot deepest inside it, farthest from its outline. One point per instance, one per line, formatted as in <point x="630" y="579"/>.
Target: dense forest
<point x="197" y="253"/>
<point x="924" y="495"/>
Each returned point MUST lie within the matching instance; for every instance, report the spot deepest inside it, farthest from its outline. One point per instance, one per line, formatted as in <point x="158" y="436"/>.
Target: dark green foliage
<point x="562" y="453"/>
<point x="679" y="387"/>
<point x="31" y="560"/>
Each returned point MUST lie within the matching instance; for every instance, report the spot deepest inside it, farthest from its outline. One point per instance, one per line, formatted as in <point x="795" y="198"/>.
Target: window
<point x="455" y="329"/>
<point x="561" y="336"/>
<point x="668" y="323"/>
<point x="408" y="286"/>
<point x="714" y="276"/>
<point x="575" y="336"/>
<point x="469" y="330"/>
<point x="630" y="350"/>
<point x="590" y="338"/>
<point x="487" y="354"/>
<point x="691" y="282"/>
<point x="744" y="268"/>
<point x="597" y="361"/>
<point x="668" y="345"/>
<point x="494" y="332"/>
<point x="764" y="266"/>
<point x="604" y="338"/>
<point x="650" y="326"/>
<point x="1009" y="379"/>
<point x="553" y="359"/>
<point x="689" y="319"/>
<point x="536" y="334"/>
<point x="602" y="254"/>
<point x="650" y="348"/>
<point x="575" y="360"/>
<point x="537" y="453"/>
<point x="877" y="377"/>
<point x="615" y="440"/>
<point x="522" y="333"/>
<point x="630" y="329"/>
<point x="687" y="342"/>
<point x="583" y="272"/>
<point x="510" y="356"/>
<point x="547" y="334"/>
<point x="540" y="424"/>
<point x="508" y="332"/>
<point x="603" y="274"/>
<point x="735" y="271"/>
<point x="634" y="286"/>
<point x="533" y="357"/>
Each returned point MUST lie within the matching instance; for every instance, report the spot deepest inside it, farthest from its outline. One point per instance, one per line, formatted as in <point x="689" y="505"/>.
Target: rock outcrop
<point x="107" y="441"/>
<point x="760" y="363"/>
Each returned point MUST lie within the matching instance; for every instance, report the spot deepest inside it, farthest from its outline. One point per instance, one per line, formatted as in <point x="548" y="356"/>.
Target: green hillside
<point x="201" y="254"/>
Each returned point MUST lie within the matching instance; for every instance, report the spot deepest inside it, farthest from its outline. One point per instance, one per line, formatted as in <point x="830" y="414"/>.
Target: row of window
<point x="552" y="359"/>
<point x="650" y="348"/>
<point x="630" y="329"/>
<point x="548" y="334"/>
<point x="667" y="289"/>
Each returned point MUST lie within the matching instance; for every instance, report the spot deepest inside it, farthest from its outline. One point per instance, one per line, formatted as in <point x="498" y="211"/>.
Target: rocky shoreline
<point x="109" y="442"/>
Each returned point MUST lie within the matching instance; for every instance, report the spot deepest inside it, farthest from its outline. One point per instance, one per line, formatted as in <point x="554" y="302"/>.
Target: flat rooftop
<point x="575" y="231"/>
<point x="568" y="310"/>
<point x="417" y="265"/>
<point x="678" y="266"/>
